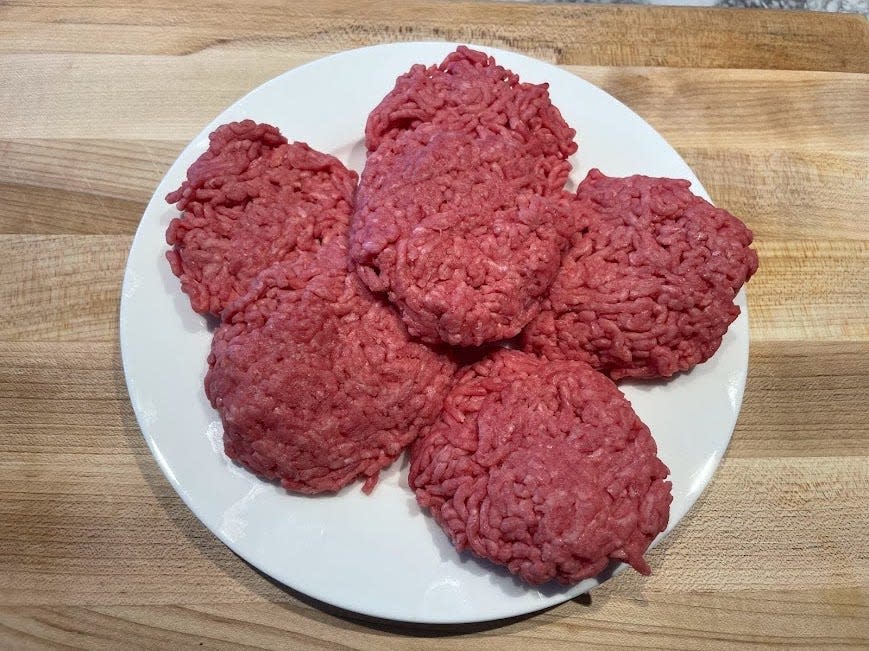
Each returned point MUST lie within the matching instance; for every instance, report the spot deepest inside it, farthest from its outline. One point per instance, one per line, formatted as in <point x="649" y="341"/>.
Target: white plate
<point x="380" y="555"/>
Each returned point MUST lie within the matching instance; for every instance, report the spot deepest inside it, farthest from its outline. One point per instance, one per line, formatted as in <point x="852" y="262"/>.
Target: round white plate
<point x="380" y="555"/>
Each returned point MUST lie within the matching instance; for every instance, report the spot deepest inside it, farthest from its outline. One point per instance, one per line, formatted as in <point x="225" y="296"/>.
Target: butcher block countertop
<point x="770" y="108"/>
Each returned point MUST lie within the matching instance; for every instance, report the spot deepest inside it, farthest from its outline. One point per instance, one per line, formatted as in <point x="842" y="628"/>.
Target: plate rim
<point x="127" y="288"/>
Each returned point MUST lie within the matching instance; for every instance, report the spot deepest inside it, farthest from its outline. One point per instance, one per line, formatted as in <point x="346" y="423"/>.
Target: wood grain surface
<point x="771" y="109"/>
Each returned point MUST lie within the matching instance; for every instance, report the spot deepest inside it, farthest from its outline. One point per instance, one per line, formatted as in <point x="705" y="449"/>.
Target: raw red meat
<point x="542" y="467"/>
<point x="470" y="92"/>
<point x="648" y="290"/>
<point x="250" y="200"/>
<point x="462" y="232"/>
<point x="316" y="380"/>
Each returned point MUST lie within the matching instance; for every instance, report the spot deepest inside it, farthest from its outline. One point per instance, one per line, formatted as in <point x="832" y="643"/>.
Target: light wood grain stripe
<point x="142" y="98"/>
<point x="810" y="290"/>
<point x="119" y="169"/>
<point x="39" y="210"/>
<point x="788" y="194"/>
<point x="616" y="35"/>
<point x="749" y="109"/>
<point x="61" y="287"/>
<point x="131" y="97"/>
<point x="101" y="187"/>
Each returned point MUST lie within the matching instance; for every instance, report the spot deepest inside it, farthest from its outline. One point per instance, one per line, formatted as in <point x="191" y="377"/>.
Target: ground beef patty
<point x="470" y="93"/>
<point x="455" y="217"/>
<point x="316" y="381"/>
<point x="461" y="231"/>
<point x="250" y="200"/>
<point x="542" y="467"/>
<point x="648" y="290"/>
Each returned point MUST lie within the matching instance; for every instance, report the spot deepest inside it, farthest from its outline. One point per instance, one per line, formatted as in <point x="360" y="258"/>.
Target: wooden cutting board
<point x="771" y="109"/>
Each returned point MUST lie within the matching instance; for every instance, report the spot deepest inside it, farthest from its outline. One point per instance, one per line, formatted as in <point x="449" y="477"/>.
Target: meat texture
<point x="457" y="217"/>
<point x="316" y="380"/>
<point x="460" y="232"/>
<point x="471" y="93"/>
<point x="251" y="200"/>
<point x="647" y="291"/>
<point x="542" y="467"/>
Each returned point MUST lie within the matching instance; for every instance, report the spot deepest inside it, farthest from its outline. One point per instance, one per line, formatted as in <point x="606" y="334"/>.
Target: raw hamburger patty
<point x="457" y="217"/>
<point x="542" y="467"/>
<point x="461" y="231"/>
<point x="250" y="200"/>
<point x="470" y="93"/>
<point x="316" y="381"/>
<point x="648" y="290"/>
